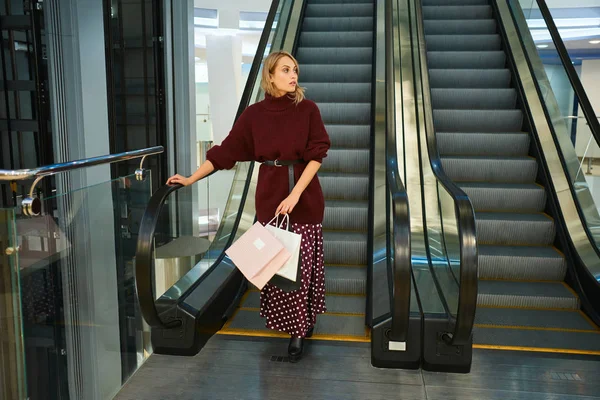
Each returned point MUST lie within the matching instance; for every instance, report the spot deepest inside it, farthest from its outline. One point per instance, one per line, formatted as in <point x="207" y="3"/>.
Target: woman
<point x="284" y="129"/>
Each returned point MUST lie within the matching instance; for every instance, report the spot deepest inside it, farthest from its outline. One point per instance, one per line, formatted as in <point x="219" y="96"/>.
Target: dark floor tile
<point x="446" y="393"/>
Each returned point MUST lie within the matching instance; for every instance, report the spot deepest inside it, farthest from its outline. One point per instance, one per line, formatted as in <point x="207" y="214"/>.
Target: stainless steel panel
<point x="380" y="283"/>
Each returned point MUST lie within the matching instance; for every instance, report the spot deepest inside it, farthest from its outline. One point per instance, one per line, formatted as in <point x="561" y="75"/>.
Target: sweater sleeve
<point x="237" y="146"/>
<point x="318" y="139"/>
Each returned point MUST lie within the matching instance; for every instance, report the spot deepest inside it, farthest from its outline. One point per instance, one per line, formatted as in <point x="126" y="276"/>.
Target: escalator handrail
<point x="401" y="267"/>
<point x="143" y="258"/>
<point x="144" y="252"/>
<point x="584" y="101"/>
<point x="468" y="278"/>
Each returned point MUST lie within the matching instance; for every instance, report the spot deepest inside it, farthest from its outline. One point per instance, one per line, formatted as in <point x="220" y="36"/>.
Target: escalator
<point x="340" y="47"/>
<point x="537" y="284"/>
<point x="335" y="53"/>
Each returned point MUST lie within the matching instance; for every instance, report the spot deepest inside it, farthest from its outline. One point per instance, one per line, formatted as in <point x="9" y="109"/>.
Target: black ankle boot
<point x="295" y="349"/>
<point x="309" y="333"/>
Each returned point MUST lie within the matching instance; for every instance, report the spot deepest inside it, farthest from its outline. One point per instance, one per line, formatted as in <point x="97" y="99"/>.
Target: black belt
<point x="286" y="163"/>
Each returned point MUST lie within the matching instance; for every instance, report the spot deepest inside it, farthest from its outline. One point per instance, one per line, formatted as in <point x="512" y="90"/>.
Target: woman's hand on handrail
<point x="205" y="169"/>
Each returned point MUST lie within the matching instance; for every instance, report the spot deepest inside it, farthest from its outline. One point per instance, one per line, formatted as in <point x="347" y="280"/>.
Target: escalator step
<point x="337" y="24"/>
<point x="460" y="27"/>
<point x="346" y="215"/>
<point x="466" y="59"/>
<point x="457" y="12"/>
<point x="478" y="120"/>
<point x="338" y="92"/>
<point x="469" y="78"/>
<point x="345" y="280"/>
<point x="456" y="2"/>
<point x="334" y="10"/>
<point x="346" y="113"/>
<point x="463" y="42"/>
<point x="335" y="304"/>
<point x="491" y="169"/>
<point x="533" y="263"/>
<point x="474" y="99"/>
<point x="505" y="197"/>
<point x="480" y="144"/>
<point x="585" y="343"/>
<point x="343" y="73"/>
<point x="514" y="229"/>
<point x="346" y="248"/>
<point x="344" y="2"/>
<point x="329" y="326"/>
<point x="347" y="160"/>
<point x="336" y="39"/>
<point x="333" y="56"/>
<point x="349" y="136"/>
<point x="344" y="186"/>
<point x="552" y="319"/>
<point x="540" y="295"/>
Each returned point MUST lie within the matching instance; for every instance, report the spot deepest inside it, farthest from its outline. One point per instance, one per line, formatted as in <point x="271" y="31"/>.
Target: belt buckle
<point x="276" y="163"/>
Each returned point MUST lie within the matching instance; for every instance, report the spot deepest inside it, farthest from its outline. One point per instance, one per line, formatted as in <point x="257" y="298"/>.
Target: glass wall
<point x="70" y="324"/>
<point x="578" y="23"/>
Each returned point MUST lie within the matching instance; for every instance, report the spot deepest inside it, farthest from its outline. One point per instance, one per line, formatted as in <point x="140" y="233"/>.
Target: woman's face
<point x="285" y="76"/>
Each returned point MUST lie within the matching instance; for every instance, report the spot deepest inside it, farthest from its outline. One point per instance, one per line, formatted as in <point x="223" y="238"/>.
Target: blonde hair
<point x="269" y="69"/>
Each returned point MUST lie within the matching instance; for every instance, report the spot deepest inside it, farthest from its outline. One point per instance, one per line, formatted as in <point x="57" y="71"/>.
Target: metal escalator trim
<point x="588" y="319"/>
<point x="400" y="229"/>
<point x="467" y="298"/>
<point x="536" y="349"/>
<point x="145" y="245"/>
<point x="316" y="336"/>
<point x="537" y="328"/>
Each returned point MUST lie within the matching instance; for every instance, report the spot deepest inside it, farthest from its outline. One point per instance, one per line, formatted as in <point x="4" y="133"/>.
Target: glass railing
<point x="69" y="308"/>
<point x="70" y="322"/>
<point x="571" y="116"/>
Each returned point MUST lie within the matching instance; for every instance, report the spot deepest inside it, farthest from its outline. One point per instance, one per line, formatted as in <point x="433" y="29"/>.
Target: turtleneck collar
<point x="278" y="103"/>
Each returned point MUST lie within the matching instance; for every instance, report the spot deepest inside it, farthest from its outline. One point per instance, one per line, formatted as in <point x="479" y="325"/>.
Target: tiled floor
<point x="242" y="368"/>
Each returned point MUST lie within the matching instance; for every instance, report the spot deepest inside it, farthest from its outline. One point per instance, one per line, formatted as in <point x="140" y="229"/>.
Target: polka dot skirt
<point x="296" y="312"/>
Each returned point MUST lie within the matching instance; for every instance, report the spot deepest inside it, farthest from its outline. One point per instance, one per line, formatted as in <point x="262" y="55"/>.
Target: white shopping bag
<point x="291" y="241"/>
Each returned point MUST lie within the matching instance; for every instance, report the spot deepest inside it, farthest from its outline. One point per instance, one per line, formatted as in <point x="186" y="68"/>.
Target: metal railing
<point x="32" y="206"/>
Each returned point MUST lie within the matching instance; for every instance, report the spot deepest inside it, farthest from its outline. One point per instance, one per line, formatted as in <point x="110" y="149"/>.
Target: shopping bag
<point x="292" y="242"/>
<point x="258" y="255"/>
<point x="292" y="268"/>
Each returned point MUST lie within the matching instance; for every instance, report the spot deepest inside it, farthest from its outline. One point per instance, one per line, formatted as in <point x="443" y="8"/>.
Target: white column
<point x="590" y="79"/>
<point x="77" y="77"/>
<point x="224" y="58"/>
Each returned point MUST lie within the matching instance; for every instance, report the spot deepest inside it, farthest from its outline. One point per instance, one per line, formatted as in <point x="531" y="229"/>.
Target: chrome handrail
<point x="28" y="173"/>
<point x="32" y="206"/>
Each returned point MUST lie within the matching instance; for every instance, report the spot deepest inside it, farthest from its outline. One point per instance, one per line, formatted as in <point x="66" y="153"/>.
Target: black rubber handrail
<point x="144" y="253"/>
<point x="468" y="278"/>
<point x="144" y="283"/>
<point x="401" y="268"/>
<point x="565" y="59"/>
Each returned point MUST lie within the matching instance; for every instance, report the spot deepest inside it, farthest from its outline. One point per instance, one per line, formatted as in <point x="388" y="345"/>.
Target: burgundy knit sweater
<point x="278" y="129"/>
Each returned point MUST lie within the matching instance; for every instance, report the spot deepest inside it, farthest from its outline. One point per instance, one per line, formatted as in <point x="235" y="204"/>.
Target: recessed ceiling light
<point x="542" y="46"/>
<point x="595" y="41"/>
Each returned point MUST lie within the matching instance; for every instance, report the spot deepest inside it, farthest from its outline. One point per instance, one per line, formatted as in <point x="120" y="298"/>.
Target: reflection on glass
<point x="571" y="127"/>
<point x="76" y="273"/>
<point x="216" y="200"/>
<point x="12" y="362"/>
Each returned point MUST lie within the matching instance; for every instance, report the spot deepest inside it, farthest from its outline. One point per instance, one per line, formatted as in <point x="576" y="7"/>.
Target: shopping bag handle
<point x="286" y="218"/>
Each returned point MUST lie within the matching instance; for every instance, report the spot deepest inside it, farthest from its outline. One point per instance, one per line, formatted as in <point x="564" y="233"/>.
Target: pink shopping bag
<point x="258" y="255"/>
